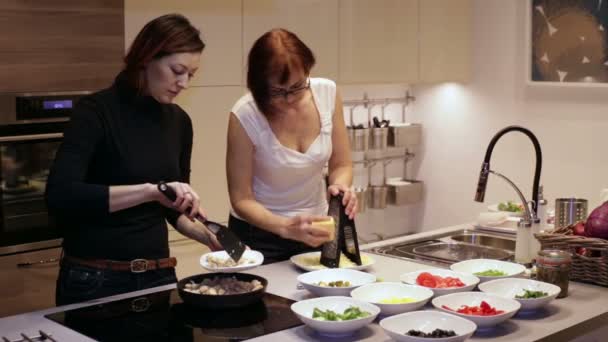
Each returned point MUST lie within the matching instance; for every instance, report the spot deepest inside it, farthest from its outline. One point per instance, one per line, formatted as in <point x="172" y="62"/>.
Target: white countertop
<point x="584" y="310"/>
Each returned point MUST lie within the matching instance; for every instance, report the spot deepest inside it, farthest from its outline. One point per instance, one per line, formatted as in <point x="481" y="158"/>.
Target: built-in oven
<point x="31" y="131"/>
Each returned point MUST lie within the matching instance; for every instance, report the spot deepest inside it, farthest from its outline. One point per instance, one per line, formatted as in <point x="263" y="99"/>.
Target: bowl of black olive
<point x="420" y="326"/>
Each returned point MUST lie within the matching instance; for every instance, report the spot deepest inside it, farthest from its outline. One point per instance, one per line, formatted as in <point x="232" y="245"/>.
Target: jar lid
<point x="555" y="255"/>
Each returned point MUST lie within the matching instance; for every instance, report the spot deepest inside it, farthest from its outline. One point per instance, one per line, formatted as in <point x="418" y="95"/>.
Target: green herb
<point x="532" y="294"/>
<point x="510" y="206"/>
<point x="491" y="273"/>
<point x="328" y="315"/>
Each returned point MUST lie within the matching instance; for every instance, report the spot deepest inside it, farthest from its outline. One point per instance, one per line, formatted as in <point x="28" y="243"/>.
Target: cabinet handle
<point x="39" y="262"/>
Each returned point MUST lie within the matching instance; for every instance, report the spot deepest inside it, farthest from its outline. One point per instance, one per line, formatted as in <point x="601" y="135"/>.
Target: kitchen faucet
<point x="530" y="215"/>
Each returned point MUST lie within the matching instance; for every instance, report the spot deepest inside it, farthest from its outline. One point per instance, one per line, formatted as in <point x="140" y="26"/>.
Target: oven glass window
<point x="25" y="167"/>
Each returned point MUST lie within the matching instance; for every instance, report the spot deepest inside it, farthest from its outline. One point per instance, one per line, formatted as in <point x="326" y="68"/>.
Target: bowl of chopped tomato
<point x="441" y="281"/>
<point x="484" y="309"/>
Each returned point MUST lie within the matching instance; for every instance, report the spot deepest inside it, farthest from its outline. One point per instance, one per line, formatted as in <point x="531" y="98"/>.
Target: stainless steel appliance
<point x="31" y="130"/>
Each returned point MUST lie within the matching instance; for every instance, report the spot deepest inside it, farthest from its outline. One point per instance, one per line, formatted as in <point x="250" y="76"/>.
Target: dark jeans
<point x="77" y="283"/>
<point x="273" y="247"/>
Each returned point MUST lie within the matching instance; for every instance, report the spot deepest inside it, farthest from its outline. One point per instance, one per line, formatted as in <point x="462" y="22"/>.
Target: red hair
<point x="276" y="53"/>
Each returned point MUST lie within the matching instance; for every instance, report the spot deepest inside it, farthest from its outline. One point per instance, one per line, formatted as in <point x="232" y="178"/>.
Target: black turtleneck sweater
<point x="116" y="137"/>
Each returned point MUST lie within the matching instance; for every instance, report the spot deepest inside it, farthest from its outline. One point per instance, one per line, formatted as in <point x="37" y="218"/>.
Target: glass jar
<point x="553" y="266"/>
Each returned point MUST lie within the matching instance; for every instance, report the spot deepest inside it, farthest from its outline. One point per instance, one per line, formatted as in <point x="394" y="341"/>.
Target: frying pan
<point x="204" y="301"/>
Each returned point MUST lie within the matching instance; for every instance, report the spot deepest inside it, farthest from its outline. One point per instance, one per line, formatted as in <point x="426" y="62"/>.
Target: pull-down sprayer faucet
<point x="530" y="215"/>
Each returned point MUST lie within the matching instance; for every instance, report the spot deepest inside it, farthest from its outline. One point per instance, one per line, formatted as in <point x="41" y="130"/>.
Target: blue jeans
<point x="77" y="283"/>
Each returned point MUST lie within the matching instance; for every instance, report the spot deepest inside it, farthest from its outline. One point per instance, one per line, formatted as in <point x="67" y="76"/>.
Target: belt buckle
<point x="139" y="265"/>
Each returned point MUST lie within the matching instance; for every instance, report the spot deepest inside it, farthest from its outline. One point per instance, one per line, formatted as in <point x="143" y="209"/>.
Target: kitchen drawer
<point x="24" y="289"/>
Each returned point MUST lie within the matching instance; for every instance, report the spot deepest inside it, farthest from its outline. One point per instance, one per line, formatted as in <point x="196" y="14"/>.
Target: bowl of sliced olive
<point x="334" y="281"/>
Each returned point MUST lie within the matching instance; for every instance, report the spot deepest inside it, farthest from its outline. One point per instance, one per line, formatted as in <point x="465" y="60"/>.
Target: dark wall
<point x="60" y="45"/>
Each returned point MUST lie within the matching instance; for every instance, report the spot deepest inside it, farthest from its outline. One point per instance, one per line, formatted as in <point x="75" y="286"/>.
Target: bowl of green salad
<point x="531" y="294"/>
<point x="335" y="316"/>
<point x="510" y="208"/>
<point x="489" y="269"/>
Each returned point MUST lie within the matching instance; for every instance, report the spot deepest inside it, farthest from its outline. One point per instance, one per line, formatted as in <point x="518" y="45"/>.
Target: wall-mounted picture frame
<point x="567" y="43"/>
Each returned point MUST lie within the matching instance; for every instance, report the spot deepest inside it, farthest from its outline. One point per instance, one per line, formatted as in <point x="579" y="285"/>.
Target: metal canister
<point x="553" y="266"/>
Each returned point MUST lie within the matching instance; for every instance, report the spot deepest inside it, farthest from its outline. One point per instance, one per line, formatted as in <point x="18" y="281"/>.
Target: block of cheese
<point x="328" y="225"/>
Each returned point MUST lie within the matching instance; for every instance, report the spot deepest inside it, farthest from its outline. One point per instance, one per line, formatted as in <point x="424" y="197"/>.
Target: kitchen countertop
<point x="579" y="316"/>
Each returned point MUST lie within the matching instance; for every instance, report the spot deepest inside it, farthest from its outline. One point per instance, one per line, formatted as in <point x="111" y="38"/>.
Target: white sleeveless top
<point x="286" y="181"/>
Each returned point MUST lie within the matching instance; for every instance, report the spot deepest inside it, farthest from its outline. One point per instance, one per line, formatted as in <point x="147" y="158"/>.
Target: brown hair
<point x="163" y="36"/>
<point x="276" y="52"/>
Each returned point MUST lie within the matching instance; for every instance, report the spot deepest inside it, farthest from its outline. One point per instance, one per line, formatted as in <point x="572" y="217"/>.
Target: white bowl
<point x="304" y="309"/>
<point x="511" y="287"/>
<point x="376" y="292"/>
<point x="456" y="300"/>
<point x="479" y="265"/>
<point x="249" y="260"/>
<point x="356" y="278"/>
<point x="311" y="261"/>
<point x="397" y="326"/>
<point x="469" y="280"/>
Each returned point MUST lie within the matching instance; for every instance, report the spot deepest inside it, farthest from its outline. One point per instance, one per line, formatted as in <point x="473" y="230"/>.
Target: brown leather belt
<point x="134" y="266"/>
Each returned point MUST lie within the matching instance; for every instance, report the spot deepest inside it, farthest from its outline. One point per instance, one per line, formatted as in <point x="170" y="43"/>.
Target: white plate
<point x="473" y="266"/>
<point x="250" y="257"/>
<point x="355" y="278"/>
<point x="397" y="326"/>
<point x="456" y="300"/>
<point x="376" y="292"/>
<point x="511" y="287"/>
<point x="311" y="261"/>
<point x="469" y="280"/>
<point x="494" y="208"/>
<point x="304" y="309"/>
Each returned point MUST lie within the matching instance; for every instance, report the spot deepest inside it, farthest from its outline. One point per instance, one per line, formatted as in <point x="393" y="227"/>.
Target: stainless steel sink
<point x="486" y="241"/>
<point x="450" y="248"/>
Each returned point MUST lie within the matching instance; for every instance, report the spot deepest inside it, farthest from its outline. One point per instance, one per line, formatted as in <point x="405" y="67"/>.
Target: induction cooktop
<point x="162" y="316"/>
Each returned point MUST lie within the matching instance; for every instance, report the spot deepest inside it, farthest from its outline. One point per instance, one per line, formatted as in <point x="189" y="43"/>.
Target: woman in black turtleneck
<point x="120" y="143"/>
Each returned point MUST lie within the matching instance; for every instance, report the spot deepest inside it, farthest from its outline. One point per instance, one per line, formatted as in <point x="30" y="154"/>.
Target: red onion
<point x="597" y="222"/>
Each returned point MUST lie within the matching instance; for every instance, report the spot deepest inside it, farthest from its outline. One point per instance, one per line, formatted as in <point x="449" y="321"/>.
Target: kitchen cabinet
<point x="209" y="109"/>
<point x="404" y="41"/>
<point x="445" y="40"/>
<point x="314" y="21"/>
<point x="25" y="289"/>
<point x="378" y="41"/>
<point x="60" y="45"/>
<point x="220" y="25"/>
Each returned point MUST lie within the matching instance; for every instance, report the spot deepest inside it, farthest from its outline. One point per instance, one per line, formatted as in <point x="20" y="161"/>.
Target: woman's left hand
<point x="349" y="198"/>
<point x="211" y="240"/>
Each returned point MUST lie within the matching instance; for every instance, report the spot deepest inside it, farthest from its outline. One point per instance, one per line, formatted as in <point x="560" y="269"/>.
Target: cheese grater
<point x="345" y="239"/>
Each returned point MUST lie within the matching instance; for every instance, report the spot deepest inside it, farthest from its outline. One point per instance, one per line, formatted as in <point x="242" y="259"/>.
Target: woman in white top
<point x="280" y="137"/>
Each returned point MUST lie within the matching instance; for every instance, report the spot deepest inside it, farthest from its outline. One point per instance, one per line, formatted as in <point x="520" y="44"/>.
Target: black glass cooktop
<point x="162" y="316"/>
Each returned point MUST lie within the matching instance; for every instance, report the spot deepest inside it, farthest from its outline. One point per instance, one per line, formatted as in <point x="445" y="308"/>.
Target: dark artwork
<point x="569" y="41"/>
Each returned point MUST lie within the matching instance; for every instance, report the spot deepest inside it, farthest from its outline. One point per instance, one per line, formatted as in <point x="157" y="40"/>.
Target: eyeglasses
<point x="279" y="92"/>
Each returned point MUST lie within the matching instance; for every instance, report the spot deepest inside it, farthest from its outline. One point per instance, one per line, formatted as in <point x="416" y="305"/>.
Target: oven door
<point x="27" y="152"/>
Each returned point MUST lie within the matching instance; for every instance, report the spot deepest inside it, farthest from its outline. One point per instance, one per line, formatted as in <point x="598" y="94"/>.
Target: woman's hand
<point x="187" y="201"/>
<point x="300" y="228"/>
<point x="210" y="240"/>
<point x="349" y="198"/>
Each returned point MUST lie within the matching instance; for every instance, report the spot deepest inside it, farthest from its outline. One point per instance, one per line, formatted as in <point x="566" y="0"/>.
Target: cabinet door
<point x="209" y="108"/>
<point x="314" y="21"/>
<point x="445" y="40"/>
<point x="378" y="41"/>
<point x="220" y="25"/>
